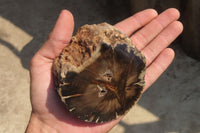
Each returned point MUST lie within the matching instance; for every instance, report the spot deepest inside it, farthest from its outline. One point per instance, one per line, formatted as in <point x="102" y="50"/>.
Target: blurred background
<point x="171" y="105"/>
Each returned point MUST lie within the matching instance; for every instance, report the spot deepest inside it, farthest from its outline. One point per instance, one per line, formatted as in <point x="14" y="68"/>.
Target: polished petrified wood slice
<point x="100" y="74"/>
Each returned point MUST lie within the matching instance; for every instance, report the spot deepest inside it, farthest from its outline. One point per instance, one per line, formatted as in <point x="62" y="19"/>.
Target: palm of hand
<point x="157" y="33"/>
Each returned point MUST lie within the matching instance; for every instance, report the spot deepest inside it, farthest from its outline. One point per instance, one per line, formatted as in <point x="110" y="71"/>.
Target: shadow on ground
<point x="174" y="98"/>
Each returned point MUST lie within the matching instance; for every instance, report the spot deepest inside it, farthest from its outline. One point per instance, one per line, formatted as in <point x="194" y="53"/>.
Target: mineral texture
<point x="99" y="75"/>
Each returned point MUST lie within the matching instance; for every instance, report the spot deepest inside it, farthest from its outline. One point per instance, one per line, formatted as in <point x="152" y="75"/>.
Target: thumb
<point x="59" y="37"/>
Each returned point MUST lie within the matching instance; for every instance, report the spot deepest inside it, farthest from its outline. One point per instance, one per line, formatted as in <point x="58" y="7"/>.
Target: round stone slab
<point x="99" y="75"/>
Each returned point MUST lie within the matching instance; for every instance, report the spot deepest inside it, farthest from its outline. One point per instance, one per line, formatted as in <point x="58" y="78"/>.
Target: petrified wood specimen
<point x="100" y="74"/>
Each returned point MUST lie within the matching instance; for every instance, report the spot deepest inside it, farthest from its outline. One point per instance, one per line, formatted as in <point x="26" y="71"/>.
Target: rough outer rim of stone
<point x="86" y="45"/>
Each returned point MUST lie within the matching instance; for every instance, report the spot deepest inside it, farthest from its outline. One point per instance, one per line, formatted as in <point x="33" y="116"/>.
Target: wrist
<point x="36" y="125"/>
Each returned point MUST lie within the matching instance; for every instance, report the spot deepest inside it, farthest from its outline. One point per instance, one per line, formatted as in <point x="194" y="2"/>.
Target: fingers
<point x="165" y="38"/>
<point x="59" y="37"/>
<point x="151" y="30"/>
<point x="133" y="23"/>
<point x="158" y="67"/>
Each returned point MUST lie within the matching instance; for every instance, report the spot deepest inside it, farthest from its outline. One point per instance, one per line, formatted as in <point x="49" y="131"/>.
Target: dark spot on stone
<point x="99" y="87"/>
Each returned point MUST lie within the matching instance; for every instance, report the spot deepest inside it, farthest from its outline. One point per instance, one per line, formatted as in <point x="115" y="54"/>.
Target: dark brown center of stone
<point x="108" y="85"/>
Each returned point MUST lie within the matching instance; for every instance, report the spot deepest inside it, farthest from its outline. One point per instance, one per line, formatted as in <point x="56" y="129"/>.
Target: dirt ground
<point x="171" y="105"/>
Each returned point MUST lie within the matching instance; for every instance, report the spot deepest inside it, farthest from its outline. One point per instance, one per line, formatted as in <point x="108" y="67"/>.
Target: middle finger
<point x="151" y="30"/>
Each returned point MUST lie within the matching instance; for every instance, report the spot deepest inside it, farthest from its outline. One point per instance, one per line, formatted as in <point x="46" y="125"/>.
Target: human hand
<point x="154" y="33"/>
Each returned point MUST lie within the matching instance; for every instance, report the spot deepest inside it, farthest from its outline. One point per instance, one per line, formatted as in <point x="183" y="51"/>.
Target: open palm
<point x="154" y="34"/>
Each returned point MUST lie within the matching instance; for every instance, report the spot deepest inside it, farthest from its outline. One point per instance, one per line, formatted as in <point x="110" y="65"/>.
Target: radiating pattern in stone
<point x="100" y="74"/>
